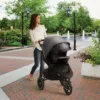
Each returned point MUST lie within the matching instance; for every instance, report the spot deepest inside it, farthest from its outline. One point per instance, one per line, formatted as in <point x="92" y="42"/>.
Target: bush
<point x="98" y="35"/>
<point x="15" y="44"/>
<point x="91" y="54"/>
<point x="1" y="38"/>
<point x="12" y="36"/>
<point x="29" y="42"/>
<point x="0" y="43"/>
<point x="94" y="51"/>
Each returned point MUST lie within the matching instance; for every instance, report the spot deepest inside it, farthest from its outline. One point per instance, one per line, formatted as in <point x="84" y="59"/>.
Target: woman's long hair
<point x="33" y="21"/>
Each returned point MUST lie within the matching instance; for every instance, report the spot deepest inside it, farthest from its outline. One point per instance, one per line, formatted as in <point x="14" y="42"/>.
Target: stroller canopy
<point x="52" y="41"/>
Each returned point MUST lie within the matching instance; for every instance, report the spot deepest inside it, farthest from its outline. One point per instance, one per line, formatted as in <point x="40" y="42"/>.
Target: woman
<point x="37" y="32"/>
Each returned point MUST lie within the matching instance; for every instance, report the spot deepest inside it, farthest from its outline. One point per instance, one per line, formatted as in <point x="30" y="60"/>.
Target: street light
<point x="74" y="20"/>
<point x="27" y="11"/>
<point x="68" y="10"/>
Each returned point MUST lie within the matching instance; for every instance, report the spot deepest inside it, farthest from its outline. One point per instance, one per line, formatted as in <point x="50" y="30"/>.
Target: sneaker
<point x="31" y="77"/>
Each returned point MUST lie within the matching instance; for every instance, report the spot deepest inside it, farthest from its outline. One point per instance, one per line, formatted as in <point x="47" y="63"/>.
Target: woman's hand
<point x="36" y="42"/>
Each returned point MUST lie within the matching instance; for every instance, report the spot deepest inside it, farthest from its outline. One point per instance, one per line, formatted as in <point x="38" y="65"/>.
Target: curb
<point x="3" y="50"/>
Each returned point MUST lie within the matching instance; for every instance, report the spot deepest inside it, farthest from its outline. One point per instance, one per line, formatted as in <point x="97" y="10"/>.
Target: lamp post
<point x="74" y="21"/>
<point x="22" y="27"/>
<point x="27" y="11"/>
<point x="74" y="18"/>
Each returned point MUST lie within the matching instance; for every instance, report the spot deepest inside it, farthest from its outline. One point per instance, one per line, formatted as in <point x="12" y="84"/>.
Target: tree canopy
<point x="36" y="6"/>
<point x="61" y="20"/>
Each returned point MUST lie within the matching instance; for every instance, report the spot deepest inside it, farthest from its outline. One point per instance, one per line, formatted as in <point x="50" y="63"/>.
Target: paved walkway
<point x="15" y="86"/>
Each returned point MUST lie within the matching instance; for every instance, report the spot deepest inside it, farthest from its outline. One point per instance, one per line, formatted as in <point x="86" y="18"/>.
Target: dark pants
<point x="38" y="60"/>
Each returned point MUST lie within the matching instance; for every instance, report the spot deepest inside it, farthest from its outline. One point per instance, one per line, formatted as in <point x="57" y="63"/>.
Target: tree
<point x="50" y="22"/>
<point x="83" y="18"/>
<point x="5" y="24"/>
<point x="16" y="9"/>
<point x="96" y="24"/>
<point x="36" y="6"/>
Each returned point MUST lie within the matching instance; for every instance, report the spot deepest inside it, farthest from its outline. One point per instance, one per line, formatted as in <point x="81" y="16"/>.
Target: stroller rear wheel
<point x="40" y="82"/>
<point x="68" y="89"/>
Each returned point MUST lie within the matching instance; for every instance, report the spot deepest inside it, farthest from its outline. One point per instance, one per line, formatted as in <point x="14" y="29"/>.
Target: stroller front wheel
<point x="40" y="82"/>
<point x="68" y="89"/>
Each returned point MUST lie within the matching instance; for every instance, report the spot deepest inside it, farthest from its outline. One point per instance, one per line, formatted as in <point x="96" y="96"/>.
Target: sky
<point x="92" y="5"/>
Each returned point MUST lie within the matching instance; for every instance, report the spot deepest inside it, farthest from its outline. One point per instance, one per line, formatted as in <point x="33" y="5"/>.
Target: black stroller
<point x="54" y="52"/>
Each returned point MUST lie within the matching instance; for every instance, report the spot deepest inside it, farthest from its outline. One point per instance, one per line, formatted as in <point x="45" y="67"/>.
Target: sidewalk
<point x="83" y="88"/>
<point x="17" y="87"/>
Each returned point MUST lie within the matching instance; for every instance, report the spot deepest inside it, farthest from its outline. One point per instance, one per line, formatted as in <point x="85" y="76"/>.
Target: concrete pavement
<point x="14" y="83"/>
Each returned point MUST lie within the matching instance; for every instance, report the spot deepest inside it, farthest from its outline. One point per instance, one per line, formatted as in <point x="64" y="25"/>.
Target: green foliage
<point x="63" y="19"/>
<point x="83" y="18"/>
<point x="89" y="29"/>
<point x="94" y="51"/>
<point x="29" y="42"/>
<point x="96" y="24"/>
<point x="0" y="43"/>
<point x="5" y="24"/>
<point x="14" y="44"/>
<point x="90" y="61"/>
<point x="91" y="54"/>
<point x="98" y="34"/>
<point x="12" y="36"/>
<point x="51" y="23"/>
<point x="1" y="38"/>
<point x="1" y="34"/>
<point x="16" y="9"/>
<point x="36" y="6"/>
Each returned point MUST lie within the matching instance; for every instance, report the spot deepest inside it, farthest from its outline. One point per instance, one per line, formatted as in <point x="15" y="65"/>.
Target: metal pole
<point x="22" y="27"/>
<point x="74" y="18"/>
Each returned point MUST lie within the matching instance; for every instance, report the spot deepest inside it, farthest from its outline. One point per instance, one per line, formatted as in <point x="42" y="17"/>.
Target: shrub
<point x="94" y="51"/>
<point x="91" y="54"/>
<point x="1" y="38"/>
<point x="15" y="44"/>
<point x="98" y="35"/>
<point x="12" y="36"/>
<point x="0" y="43"/>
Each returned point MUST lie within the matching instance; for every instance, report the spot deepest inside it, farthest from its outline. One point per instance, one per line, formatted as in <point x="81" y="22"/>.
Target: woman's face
<point x="38" y="19"/>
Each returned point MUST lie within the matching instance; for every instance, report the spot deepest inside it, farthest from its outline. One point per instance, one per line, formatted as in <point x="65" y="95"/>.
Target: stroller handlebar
<point x="66" y="57"/>
<point x="41" y="42"/>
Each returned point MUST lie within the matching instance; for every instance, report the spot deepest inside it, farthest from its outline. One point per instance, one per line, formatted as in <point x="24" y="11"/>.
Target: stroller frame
<point x="64" y="81"/>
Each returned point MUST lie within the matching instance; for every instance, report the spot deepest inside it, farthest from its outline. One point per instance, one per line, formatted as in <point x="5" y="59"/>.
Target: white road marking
<point x="19" y="58"/>
<point x="3" y="96"/>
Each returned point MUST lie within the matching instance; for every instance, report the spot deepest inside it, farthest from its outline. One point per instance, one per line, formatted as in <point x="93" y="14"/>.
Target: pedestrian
<point x="37" y="32"/>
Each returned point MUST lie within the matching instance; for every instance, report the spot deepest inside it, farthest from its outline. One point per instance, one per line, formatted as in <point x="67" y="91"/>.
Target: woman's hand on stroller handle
<point x="39" y="41"/>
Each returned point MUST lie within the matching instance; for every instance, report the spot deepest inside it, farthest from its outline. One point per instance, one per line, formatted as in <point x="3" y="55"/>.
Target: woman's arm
<point x="32" y="38"/>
